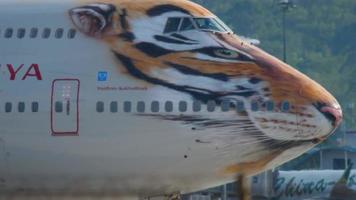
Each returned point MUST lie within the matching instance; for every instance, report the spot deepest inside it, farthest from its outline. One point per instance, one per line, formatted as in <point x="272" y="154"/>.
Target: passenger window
<point x="46" y="33"/>
<point x="127" y="106"/>
<point x="59" y="107"/>
<point x="211" y="106"/>
<point x="21" y="107"/>
<point x="141" y="107"/>
<point x="196" y="106"/>
<point x="270" y="105"/>
<point x="59" y="33"/>
<point x="21" y="33"/>
<point x="240" y="106"/>
<point x="172" y="24"/>
<point x="100" y="107"/>
<point x="187" y="25"/>
<point x="33" y="33"/>
<point x="113" y="107"/>
<point x="183" y="106"/>
<point x="9" y="32"/>
<point x="155" y="106"/>
<point x="285" y="106"/>
<point x="8" y="107"/>
<point x="255" y="106"/>
<point x="225" y="105"/>
<point x="71" y="33"/>
<point x="168" y="106"/>
<point x="35" y="107"/>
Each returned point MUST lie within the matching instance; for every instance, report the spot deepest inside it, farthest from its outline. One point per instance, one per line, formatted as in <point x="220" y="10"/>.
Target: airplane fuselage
<point x="73" y="122"/>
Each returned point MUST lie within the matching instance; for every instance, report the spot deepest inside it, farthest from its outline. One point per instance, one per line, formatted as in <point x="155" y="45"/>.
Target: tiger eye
<point x="226" y="53"/>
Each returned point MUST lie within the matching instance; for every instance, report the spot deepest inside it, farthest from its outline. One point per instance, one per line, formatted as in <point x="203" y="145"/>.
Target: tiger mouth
<point x="226" y="134"/>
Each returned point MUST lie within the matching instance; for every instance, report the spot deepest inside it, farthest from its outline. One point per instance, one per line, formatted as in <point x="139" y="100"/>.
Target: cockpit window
<point x="226" y="27"/>
<point x="187" y="25"/>
<point x="209" y="24"/>
<point x="178" y="24"/>
<point x="172" y="24"/>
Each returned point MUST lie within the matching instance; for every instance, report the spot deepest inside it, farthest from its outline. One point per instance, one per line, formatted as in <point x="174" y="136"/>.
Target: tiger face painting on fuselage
<point x="182" y="46"/>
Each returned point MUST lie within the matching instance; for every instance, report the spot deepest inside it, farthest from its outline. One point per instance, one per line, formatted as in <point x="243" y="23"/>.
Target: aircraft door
<point x="3" y="163"/>
<point x="65" y="107"/>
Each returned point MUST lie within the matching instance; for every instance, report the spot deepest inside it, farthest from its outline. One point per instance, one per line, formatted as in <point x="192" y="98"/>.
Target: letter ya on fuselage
<point x="182" y="151"/>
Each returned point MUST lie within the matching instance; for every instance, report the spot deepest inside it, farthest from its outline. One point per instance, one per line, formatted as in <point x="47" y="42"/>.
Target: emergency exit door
<point x="65" y="107"/>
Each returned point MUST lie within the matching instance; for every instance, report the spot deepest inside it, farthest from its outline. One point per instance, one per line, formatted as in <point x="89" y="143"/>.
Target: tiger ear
<point x="94" y="20"/>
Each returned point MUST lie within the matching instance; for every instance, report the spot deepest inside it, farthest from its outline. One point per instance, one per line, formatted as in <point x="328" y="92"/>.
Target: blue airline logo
<point x="102" y="76"/>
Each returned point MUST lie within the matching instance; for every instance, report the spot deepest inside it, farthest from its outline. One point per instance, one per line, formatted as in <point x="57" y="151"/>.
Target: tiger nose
<point x="332" y="112"/>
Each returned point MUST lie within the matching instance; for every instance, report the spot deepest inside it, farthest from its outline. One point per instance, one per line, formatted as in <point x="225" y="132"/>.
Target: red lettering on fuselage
<point x="13" y="71"/>
<point x="32" y="71"/>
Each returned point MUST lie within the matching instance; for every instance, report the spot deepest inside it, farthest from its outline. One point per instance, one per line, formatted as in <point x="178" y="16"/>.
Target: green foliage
<point x="321" y="38"/>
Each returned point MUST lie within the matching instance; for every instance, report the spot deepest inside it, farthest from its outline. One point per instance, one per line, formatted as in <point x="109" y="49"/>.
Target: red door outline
<point x="75" y="132"/>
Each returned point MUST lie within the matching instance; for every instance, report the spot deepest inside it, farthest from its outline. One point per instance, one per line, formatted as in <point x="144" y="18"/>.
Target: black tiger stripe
<point x="153" y="50"/>
<point x="127" y="36"/>
<point x="255" y="80"/>
<point x="198" y="93"/>
<point x="186" y="70"/>
<point x="171" y="40"/>
<point x="123" y="21"/>
<point x="179" y="36"/>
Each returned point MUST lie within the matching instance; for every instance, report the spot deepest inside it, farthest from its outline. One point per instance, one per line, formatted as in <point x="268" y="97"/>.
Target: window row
<point x="21" y="107"/>
<point x="155" y="106"/>
<point x="196" y="106"/>
<point x="45" y="33"/>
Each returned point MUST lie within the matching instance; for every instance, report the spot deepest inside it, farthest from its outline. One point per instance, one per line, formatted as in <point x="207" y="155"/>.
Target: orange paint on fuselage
<point x="286" y="83"/>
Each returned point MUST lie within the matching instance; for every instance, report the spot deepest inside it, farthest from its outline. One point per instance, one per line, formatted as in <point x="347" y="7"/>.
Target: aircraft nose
<point x="332" y="112"/>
